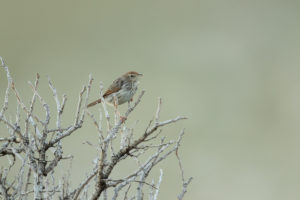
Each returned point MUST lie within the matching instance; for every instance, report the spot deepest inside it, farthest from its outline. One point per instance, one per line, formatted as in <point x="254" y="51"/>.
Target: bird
<point x="123" y="89"/>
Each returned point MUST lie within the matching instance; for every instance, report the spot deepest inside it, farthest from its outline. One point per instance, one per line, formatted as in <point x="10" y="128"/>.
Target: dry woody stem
<point x="32" y="151"/>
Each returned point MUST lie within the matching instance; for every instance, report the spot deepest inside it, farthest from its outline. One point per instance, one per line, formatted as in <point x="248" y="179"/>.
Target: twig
<point x="30" y="140"/>
<point x="184" y="183"/>
<point x="158" y="185"/>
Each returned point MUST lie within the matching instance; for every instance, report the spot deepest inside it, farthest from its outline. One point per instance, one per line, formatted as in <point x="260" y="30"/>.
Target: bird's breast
<point x="124" y="95"/>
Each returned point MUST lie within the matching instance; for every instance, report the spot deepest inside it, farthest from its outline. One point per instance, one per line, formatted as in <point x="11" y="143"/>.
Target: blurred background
<point x="232" y="67"/>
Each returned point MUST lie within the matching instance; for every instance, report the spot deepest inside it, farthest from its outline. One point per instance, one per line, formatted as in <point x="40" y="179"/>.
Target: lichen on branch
<point x="31" y="145"/>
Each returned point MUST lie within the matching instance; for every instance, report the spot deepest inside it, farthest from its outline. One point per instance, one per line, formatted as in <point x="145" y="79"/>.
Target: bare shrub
<point x="35" y="142"/>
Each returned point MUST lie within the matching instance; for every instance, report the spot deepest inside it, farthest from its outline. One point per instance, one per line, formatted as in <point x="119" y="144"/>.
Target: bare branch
<point x="9" y="83"/>
<point x="158" y="185"/>
<point x="79" y="106"/>
<point x="83" y="185"/>
<point x="39" y="149"/>
<point x="158" y="111"/>
<point x="184" y="183"/>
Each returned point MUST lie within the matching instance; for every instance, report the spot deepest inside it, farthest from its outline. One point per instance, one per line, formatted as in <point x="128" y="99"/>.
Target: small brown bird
<point x="123" y="88"/>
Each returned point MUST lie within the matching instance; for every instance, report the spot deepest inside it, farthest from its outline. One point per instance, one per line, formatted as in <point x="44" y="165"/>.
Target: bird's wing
<point x="114" y="87"/>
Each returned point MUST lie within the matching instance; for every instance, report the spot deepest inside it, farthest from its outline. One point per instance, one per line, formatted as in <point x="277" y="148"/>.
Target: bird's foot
<point x="123" y="119"/>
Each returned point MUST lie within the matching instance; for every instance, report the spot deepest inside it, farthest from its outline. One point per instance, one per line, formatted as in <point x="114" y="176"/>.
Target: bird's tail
<point x="94" y="103"/>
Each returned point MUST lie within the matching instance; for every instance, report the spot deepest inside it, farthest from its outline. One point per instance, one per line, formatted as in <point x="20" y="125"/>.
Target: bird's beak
<point x="140" y="74"/>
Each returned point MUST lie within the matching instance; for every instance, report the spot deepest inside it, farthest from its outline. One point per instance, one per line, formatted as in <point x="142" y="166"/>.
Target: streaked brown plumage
<point x="123" y="88"/>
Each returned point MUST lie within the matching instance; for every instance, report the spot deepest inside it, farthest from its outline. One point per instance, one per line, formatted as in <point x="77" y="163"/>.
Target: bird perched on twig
<point x="123" y="89"/>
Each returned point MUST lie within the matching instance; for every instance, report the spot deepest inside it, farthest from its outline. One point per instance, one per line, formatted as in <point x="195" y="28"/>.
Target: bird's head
<point x="133" y="76"/>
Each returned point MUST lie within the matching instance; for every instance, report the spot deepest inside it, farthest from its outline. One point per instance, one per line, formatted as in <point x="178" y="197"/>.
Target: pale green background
<point x="232" y="67"/>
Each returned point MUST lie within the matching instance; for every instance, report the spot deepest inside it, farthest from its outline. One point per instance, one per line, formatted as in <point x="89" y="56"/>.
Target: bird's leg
<point x="129" y="103"/>
<point x="117" y="112"/>
<point x="123" y="119"/>
<point x="129" y="106"/>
